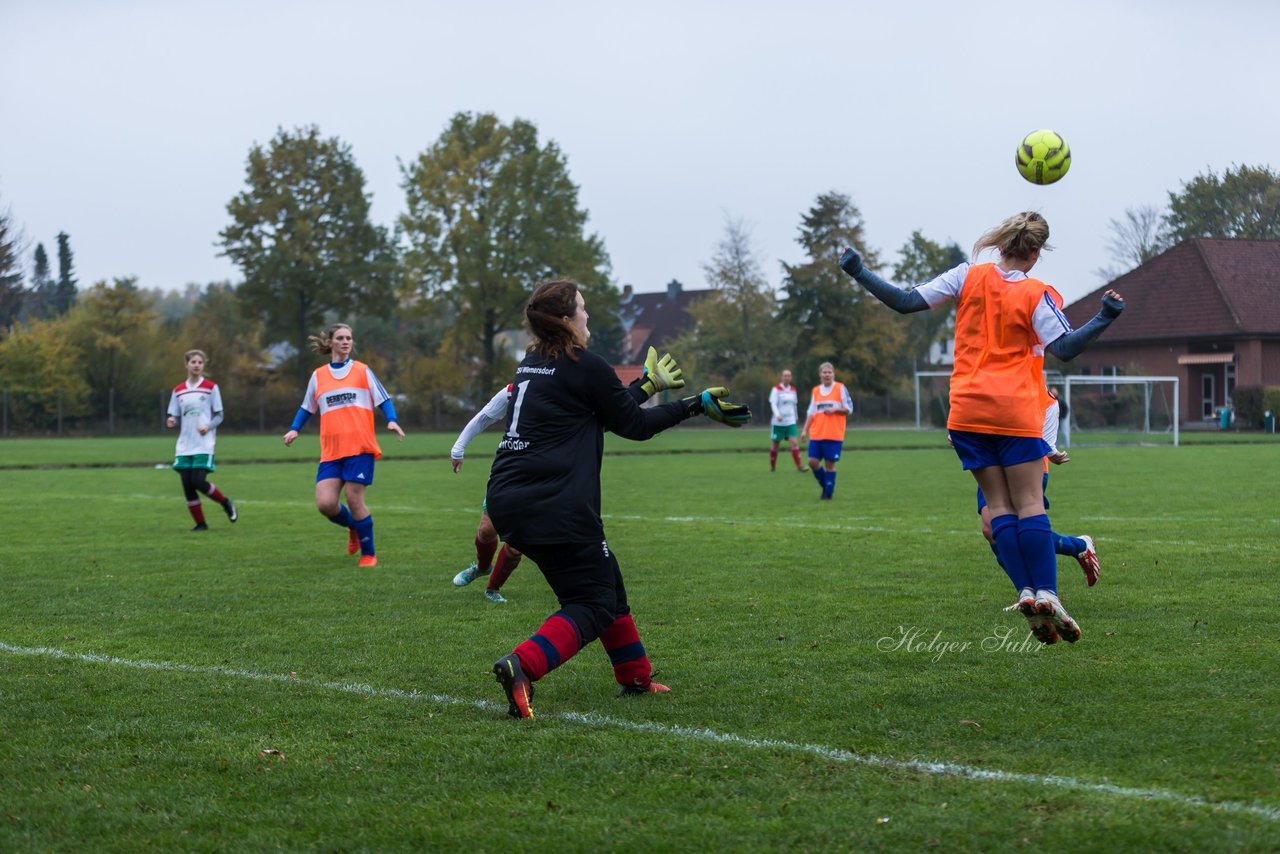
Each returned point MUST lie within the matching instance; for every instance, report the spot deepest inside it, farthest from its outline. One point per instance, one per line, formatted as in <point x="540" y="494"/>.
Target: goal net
<point x="1118" y="410"/>
<point x="1098" y="410"/>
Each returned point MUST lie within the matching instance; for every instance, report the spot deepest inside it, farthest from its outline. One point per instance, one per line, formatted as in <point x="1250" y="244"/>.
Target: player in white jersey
<point x="486" y="536"/>
<point x="195" y="408"/>
<point x="783" y="402"/>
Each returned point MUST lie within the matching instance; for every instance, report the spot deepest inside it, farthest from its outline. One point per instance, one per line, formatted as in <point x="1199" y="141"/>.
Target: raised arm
<point x="903" y="302"/>
<point x="1066" y="347"/>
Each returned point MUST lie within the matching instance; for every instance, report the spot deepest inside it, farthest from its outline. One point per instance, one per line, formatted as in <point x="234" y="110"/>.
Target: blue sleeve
<point x="215" y="420"/>
<point x="388" y="409"/>
<point x="1067" y="347"/>
<point x="903" y="302"/>
<point x="300" y="420"/>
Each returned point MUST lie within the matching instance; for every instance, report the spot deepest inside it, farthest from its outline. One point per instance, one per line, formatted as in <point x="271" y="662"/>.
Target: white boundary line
<point x="835" y="754"/>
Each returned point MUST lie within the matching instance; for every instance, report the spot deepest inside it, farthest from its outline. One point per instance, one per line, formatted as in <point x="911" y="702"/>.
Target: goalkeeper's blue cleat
<point x="517" y="686"/>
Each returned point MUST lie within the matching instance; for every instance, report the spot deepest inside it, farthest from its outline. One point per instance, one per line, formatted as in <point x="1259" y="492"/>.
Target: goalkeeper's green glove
<point x="712" y="404"/>
<point x="660" y="374"/>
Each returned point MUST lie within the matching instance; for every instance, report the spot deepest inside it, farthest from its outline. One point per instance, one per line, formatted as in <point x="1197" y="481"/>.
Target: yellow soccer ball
<point x="1043" y="157"/>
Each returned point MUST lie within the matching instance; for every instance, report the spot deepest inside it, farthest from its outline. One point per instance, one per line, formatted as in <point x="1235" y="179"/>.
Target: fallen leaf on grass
<point x="973" y="724"/>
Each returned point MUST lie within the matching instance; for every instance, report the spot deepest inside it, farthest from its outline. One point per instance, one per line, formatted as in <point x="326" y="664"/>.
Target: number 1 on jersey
<point x="515" y="410"/>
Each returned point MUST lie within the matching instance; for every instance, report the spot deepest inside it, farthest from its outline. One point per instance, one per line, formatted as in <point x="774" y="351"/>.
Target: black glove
<point x="851" y="262"/>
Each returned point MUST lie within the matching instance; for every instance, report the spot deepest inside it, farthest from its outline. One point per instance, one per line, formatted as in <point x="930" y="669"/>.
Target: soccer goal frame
<point x="1120" y="379"/>
<point x="1067" y="381"/>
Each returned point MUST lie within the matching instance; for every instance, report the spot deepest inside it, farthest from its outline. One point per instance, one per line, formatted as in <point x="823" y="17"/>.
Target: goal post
<point x="1159" y="414"/>
<point x="1108" y="410"/>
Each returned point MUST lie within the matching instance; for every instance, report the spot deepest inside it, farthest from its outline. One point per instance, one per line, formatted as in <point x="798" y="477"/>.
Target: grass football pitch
<point x="842" y="674"/>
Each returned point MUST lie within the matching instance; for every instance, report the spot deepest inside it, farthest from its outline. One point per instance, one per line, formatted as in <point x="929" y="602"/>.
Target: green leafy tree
<point x="132" y="351"/>
<point x="12" y="294"/>
<point x="64" y="295"/>
<point x="921" y="260"/>
<point x="302" y="237"/>
<point x="1243" y="202"/>
<point x="743" y="297"/>
<point x="830" y="317"/>
<point x="490" y="212"/>
<point x="42" y="365"/>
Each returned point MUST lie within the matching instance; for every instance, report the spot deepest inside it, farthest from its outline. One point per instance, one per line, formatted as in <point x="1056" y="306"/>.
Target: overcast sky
<point x="127" y="124"/>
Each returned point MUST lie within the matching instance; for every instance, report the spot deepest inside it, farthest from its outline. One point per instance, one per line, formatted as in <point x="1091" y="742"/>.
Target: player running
<point x="486" y="537"/>
<point x="345" y="393"/>
<point x="829" y="407"/>
<point x="544" y="488"/>
<point x="195" y="407"/>
<point x="783" y="400"/>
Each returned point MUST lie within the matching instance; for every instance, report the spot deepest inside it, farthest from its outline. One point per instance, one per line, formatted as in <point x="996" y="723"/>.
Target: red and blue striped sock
<point x="630" y="662"/>
<point x="556" y="641"/>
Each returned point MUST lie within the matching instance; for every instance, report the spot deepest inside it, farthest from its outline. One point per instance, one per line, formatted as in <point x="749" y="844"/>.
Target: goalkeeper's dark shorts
<point x="586" y="580"/>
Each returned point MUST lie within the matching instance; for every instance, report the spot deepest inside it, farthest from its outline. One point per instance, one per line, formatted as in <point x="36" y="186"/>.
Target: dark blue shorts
<point x="982" y="450"/>
<point x="982" y="499"/>
<point x="357" y="469"/>
<point x="825" y="449"/>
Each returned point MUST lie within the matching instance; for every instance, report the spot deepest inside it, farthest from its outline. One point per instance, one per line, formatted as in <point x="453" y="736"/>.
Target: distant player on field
<point x="195" y="407"/>
<point x="829" y="406"/>
<point x="345" y="393"/>
<point x="782" y="402"/>
<point x="486" y="537"/>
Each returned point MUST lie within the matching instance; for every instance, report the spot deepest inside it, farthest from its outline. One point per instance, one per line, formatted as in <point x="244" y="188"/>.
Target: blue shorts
<point x="825" y="449"/>
<point x="982" y="499"/>
<point x="982" y="450"/>
<point x="357" y="469"/>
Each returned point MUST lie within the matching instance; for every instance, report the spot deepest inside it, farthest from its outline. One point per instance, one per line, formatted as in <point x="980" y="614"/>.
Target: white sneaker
<point x="494" y="595"/>
<point x="1089" y="562"/>
<point x="1050" y="609"/>
<point x="468" y="575"/>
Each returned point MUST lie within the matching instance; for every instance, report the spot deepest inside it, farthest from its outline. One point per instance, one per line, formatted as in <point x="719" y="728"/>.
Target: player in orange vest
<point x="829" y="406"/>
<point x="345" y="393"/>
<point x="1005" y="321"/>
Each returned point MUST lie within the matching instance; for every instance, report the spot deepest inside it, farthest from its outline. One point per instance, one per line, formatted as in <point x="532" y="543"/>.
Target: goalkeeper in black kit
<point x="544" y="488"/>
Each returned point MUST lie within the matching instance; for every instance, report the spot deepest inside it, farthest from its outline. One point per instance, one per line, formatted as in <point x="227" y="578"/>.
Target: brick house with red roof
<point x="1206" y="311"/>
<point x="654" y="320"/>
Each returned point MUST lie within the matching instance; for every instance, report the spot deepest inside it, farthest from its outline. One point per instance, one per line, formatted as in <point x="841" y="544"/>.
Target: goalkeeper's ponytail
<point x="547" y="316"/>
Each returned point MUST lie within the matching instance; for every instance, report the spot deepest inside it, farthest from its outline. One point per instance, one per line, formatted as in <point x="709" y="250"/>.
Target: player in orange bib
<point x="1005" y="321"/>
<point x="345" y="393"/>
<point x="829" y="407"/>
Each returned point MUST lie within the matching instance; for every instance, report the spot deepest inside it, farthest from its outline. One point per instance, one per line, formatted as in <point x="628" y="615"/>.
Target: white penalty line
<point x="834" y="754"/>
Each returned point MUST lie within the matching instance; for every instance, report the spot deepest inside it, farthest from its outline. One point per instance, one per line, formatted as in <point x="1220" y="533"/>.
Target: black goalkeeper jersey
<point x="544" y="486"/>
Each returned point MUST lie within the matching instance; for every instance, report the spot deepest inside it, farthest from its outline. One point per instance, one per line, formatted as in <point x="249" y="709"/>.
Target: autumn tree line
<point x="436" y="299"/>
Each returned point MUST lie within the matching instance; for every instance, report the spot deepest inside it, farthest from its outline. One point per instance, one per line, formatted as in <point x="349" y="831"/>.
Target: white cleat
<point x="1050" y="609"/>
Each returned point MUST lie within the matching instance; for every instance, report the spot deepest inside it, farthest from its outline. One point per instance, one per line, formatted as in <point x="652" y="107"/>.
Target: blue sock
<point x="1005" y="531"/>
<point x="1035" y="541"/>
<point x="364" y="530"/>
<point x="820" y="475"/>
<point x="995" y="551"/>
<point x="342" y="517"/>
<point x="1069" y="546"/>
<point x="829" y="488"/>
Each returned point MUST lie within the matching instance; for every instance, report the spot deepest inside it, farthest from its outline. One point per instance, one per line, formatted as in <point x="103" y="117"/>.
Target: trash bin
<point x="1268" y="422"/>
<point x="1224" y="418"/>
